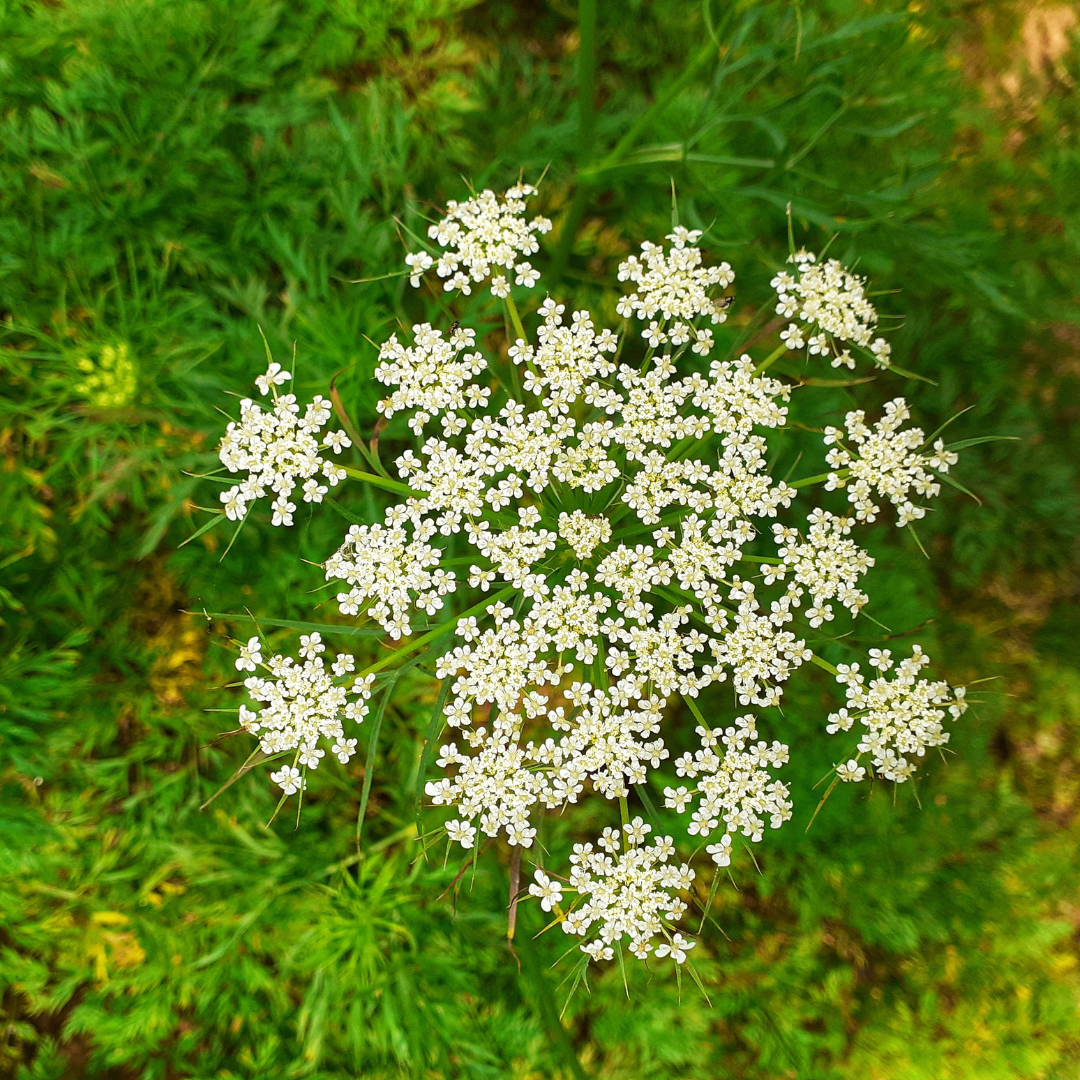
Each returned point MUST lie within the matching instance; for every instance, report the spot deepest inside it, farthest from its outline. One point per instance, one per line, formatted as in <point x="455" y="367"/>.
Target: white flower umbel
<point x="303" y="705"/>
<point x="734" y="785"/>
<point x="388" y="572"/>
<point x="279" y="449"/>
<point x="901" y="717"/>
<point x="603" y="525"/>
<point x="483" y="235"/>
<point x="885" y="460"/>
<point x="626" y="892"/>
<point x="830" y="302"/>
<point x="827" y="564"/>
<point x="430" y="374"/>
<point x="675" y="286"/>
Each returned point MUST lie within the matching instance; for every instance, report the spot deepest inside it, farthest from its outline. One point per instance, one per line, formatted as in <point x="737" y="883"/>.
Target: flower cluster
<point x="886" y="460"/>
<point x="902" y="717"/>
<point x="303" y="703"/>
<point x="278" y="449"/>
<point x="734" y="785"/>
<point x="430" y="375"/>
<point x="831" y="300"/>
<point x="676" y="286"/>
<point x="826" y="564"/>
<point x="628" y="893"/>
<point x="388" y="572"/>
<point x="566" y="357"/>
<point x="483" y="234"/>
<point x="614" y="519"/>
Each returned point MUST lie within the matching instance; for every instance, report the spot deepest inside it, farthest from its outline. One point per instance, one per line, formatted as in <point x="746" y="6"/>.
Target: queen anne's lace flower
<point x="902" y="717"/>
<point x="827" y="565"/>
<point x="482" y="235"/>
<point x="676" y="286"/>
<point x="584" y="533"/>
<point x="610" y="515"/>
<point x="886" y="460"/>
<point x="830" y="301"/>
<point x="278" y="449"/>
<point x="389" y="572"/>
<point x="734" y="785"/>
<point x="303" y="704"/>
<point x="629" y="893"/>
<point x="429" y="375"/>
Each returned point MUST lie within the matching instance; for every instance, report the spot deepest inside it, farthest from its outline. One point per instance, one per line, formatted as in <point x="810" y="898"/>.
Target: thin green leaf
<point x="963" y="444"/>
<point x="429" y="741"/>
<point x="959" y="487"/>
<point x="205" y="527"/>
<point x="293" y="624"/>
<point x="369" y="768"/>
<point x="700" y="985"/>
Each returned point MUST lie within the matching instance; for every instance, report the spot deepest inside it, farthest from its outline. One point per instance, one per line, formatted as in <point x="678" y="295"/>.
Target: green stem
<point x="586" y="80"/>
<point x="588" y="176"/>
<point x="569" y="227"/>
<point x="515" y="318"/>
<point x="692" y="705"/>
<point x="433" y="635"/>
<point x="843" y="474"/>
<point x="771" y="358"/>
<point x="383" y="482"/>
<point x="624" y="810"/>
<point x="699" y="60"/>
<point x="815" y="659"/>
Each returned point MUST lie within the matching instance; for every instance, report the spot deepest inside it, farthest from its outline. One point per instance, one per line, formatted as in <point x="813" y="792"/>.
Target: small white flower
<point x="881" y="659"/>
<point x="336" y="440"/>
<point x="677" y="950"/>
<point x="343" y="665"/>
<point x="850" y="771"/>
<point x="653" y="334"/>
<point x="703" y="342"/>
<point x="721" y="852"/>
<point x="283" y="511"/>
<point x="597" y="950"/>
<point x="250" y="655"/>
<point x="549" y="892"/>
<point x="793" y="337"/>
<point x="274" y="376"/>
<point x="310" y="756"/>
<point x="418" y="262"/>
<point x="288" y="779"/>
<point x="343" y="750"/>
<point x="526" y="275"/>
<point x="311" y="645"/>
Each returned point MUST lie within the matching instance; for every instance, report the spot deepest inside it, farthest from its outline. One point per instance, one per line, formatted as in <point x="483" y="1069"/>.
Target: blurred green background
<point x="175" y="174"/>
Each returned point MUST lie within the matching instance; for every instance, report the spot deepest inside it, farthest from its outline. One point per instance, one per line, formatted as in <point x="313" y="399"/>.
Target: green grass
<point x="176" y="175"/>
